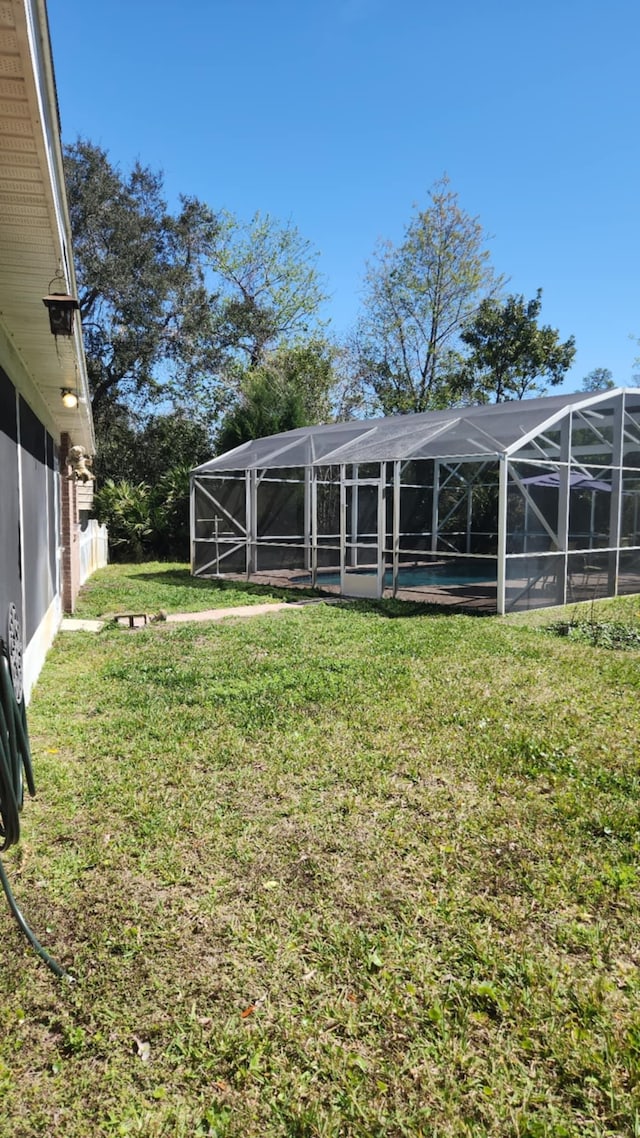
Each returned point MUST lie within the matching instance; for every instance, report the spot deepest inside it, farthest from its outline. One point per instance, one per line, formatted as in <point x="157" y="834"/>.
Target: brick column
<point x="69" y="529"/>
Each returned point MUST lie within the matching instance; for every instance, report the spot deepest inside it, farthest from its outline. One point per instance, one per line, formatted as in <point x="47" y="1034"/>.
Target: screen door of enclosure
<point x="362" y="533"/>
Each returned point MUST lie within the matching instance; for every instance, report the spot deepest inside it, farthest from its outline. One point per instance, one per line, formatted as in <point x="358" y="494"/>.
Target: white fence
<point x="94" y="549"/>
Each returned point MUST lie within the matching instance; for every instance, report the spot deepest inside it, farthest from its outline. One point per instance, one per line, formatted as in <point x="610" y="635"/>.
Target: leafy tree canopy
<point x="176" y="306"/>
<point x="418" y="296"/>
<point x="173" y="305"/>
<point x="294" y="386"/>
<point x="600" y="379"/>
<point x="145" y="308"/>
<point x="510" y="355"/>
<point x="144" y="452"/>
<point x="269" y="289"/>
<point x="267" y="406"/>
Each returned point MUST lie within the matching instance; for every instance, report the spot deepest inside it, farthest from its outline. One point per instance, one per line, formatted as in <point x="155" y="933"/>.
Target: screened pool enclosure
<point x="501" y="507"/>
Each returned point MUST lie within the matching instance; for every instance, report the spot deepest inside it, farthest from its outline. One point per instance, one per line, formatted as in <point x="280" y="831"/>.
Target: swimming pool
<point x="420" y="576"/>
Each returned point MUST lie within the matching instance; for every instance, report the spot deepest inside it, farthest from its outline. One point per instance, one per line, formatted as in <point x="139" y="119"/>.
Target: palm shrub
<point x="146" y="522"/>
<point x="126" y="509"/>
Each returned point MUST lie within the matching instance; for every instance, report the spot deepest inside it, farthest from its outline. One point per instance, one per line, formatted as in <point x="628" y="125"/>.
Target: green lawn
<point x="356" y="870"/>
<point x="156" y="586"/>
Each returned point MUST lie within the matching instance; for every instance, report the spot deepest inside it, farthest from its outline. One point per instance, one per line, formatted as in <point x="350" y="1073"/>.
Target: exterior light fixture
<point x="62" y="309"/>
<point x="69" y="398"/>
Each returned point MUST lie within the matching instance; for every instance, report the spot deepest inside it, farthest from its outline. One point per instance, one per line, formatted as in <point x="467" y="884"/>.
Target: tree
<point x="600" y="379"/>
<point x="170" y="441"/>
<point x="418" y="297"/>
<point x="145" y="308"/>
<point x="144" y="451"/>
<point x="142" y="477"/>
<point x="175" y="306"/>
<point x="270" y="290"/>
<point x="292" y="387"/>
<point x="309" y="369"/>
<point x="510" y="356"/>
<point x="267" y="406"/>
<point x="171" y="512"/>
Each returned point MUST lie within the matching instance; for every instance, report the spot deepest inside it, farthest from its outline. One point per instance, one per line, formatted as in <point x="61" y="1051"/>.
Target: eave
<point x="35" y="238"/>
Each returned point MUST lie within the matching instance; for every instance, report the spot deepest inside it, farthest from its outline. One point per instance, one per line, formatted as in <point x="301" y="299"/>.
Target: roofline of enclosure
<point x="369" y="427"/>
<point x="477" y="456"/>
<point x="558" y="416"/>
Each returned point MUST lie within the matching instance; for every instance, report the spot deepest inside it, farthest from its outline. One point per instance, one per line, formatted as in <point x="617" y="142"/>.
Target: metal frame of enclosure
<point x="522" y="504"/>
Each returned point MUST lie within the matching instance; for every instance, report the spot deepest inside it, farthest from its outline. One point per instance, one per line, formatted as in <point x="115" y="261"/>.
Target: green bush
<point x="125" y="508"/>
<point x="171" y="514"/>
<point x="599" y="633"/>
<point x="146" y="522"/>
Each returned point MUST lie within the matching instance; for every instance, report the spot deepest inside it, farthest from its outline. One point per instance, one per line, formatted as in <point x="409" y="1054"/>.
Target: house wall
<point x="39" y="529"/>
<point x="30" y="528"/>
<point x="70" y="529"/>
<point x="10" y="548"/>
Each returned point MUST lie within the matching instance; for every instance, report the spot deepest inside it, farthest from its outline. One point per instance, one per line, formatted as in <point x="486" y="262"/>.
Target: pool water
<point x="424" y="576"/>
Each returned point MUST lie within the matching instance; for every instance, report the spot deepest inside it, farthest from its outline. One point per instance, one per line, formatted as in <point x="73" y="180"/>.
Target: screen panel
<point x="10" y="571"/>
<point x="33" y="468"/>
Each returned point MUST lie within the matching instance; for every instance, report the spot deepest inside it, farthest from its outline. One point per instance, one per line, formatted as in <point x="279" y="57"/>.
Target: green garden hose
<point x="15" y="758"/>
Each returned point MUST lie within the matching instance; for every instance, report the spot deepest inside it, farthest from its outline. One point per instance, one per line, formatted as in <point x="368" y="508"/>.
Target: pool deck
<point x="477" y="598"/>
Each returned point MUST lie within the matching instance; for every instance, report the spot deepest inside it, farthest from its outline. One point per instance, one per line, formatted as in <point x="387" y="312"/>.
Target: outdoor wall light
<point x="69" y="398"/>
<point x="62" y="309"/>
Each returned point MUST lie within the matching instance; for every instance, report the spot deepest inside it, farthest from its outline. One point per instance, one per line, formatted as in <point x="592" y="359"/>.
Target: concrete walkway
<point x="71" y="624"/>
<point x="239" y="610"/>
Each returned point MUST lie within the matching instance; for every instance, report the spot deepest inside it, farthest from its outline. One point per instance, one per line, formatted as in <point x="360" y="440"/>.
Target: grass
<point x="155" y="586"/>
<point x="357" y="871"/>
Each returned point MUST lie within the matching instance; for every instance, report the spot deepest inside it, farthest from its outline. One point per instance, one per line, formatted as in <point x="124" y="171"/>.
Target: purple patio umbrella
<point x="577" y="481"/>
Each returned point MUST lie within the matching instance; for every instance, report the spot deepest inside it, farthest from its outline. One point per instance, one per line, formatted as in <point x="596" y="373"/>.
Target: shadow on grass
<point x="395" y="609"/>
<point x="390" y="609"/>
<point x="183" y="579"/>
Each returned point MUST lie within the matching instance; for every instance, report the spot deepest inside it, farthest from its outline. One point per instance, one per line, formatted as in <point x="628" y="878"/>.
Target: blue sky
<point x="338" y="115"/>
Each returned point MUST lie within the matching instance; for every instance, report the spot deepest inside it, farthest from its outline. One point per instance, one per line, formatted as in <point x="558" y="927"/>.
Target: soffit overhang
<point x="35" y="240"/>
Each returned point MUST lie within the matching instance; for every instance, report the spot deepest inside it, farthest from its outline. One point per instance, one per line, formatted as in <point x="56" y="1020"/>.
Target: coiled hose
<point x="15" y="758"/>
